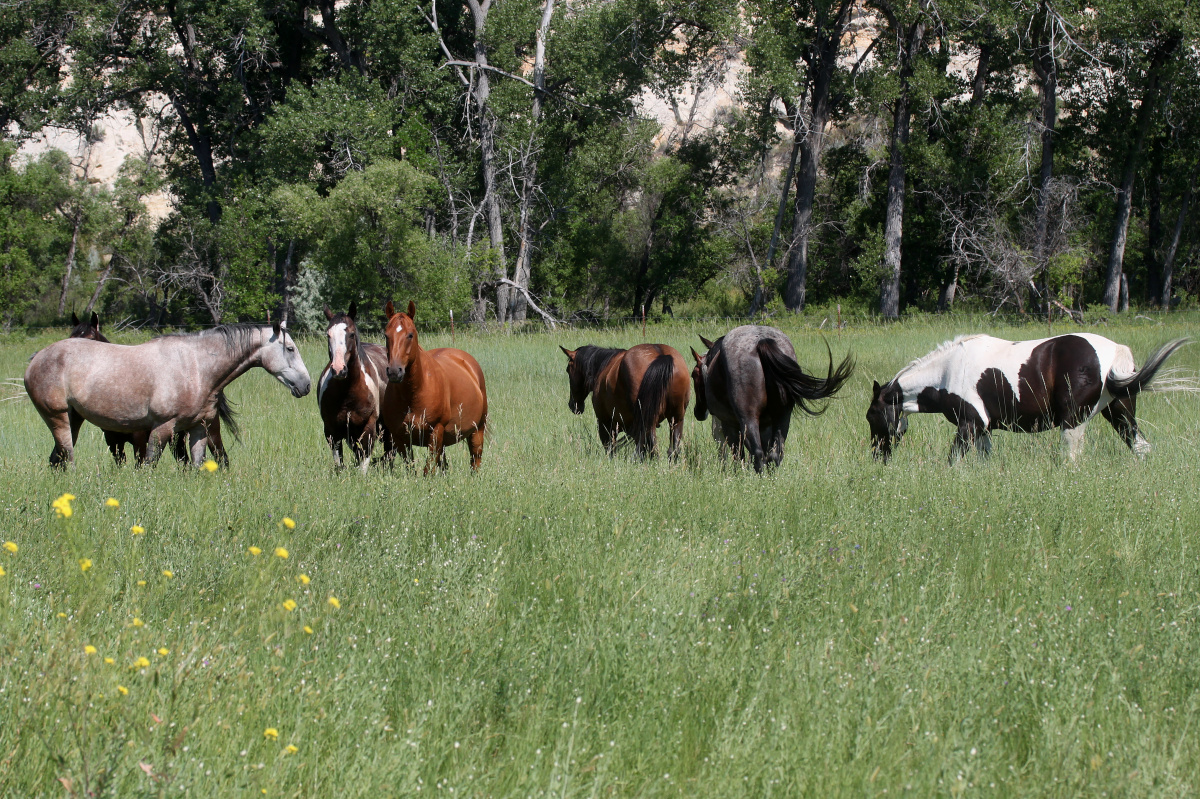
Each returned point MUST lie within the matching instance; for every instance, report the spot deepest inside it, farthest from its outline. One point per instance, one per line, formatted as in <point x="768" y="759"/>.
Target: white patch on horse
<point x="323" y="383"/>
<point x="337" y="343"/>
<point x="1073" y="440"/>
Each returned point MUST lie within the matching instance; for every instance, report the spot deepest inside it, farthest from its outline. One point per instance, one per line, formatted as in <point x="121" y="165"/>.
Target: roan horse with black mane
<point x="632" y="391"/>
<point x="980" y="384"/>
<point x="166" y="385"/>
<point x="350" y="391"/>
<point x="116" y="441"/>
<point x="751" y="383"/>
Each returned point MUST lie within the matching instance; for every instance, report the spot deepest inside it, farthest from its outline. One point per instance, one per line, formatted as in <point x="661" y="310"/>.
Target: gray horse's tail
<point x="1121" y="387"/>
<point x="794" y="386"/>
<point x="227" y="416"/>
<point x="652" y="393"/>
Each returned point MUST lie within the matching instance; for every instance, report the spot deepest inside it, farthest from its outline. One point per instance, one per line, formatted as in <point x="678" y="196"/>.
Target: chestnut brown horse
<point x="116" y="442"/>
<point x="350" y="391"/>
<point x="435" y="398"/>
<point x="751" y="383"/>
<point x="632" y="391"/>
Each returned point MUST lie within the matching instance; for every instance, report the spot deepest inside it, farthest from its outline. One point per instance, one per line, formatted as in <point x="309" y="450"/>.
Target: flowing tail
<point x="1121" y="387"/>
<point x="793" y="384"/>
<point x="652" y="394"/>
<point x="228" y="417"/>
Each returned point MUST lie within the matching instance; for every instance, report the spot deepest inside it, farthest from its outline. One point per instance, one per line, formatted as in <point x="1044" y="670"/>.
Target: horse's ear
<point x="328" y="313"/>
<point x="74" y="320"/>
<point x="569" y="353"/>
<point x="96" y="321"/>
<point x="412" y="310"/>
<point x="352" y="311"/>
<point x="275" y="328"/>
<point x="707" y="343"/>
<point x="875" y="389"/>
<point x="389" y="310"/>
<point x="696" y="355"/>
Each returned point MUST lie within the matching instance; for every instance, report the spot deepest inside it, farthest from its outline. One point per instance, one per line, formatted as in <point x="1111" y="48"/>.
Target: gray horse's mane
<point x="941" y="349"/>
<point x="237" y="336"/>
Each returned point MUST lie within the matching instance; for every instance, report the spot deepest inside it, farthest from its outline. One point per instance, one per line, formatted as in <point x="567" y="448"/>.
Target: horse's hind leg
<point x="65" y="429"/>
<point x="475" y="445"/>
<point x="1120" y="414"/>
<point x="676" y="446"/>
<point x="197" y="444"/>
<point x="157" y="441"/>
<point x="116" y="445"/>
<point x="213" y="429"/>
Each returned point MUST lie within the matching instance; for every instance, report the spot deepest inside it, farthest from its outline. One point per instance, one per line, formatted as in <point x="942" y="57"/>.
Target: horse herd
<point x="170" y="390"/>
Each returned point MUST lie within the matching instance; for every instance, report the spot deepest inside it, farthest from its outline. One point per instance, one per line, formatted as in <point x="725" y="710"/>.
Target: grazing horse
<point x="169" y="384"/>
<point x="751" y="383"/>
<point x="632" y="391"/>
<point x="116" y="442"/>
<point x="981" y="384"/>
<point x="350" y="391"/>
<point x="434" y="398"/>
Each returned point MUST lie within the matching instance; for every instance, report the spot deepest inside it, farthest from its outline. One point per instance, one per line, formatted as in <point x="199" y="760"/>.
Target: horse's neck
<point x="238" y="359"/>
<point x="916" y="378"/>
<point x="418" y="369"/>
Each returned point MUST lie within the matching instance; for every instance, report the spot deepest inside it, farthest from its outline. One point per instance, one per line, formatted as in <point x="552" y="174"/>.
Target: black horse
<point x="751" y="383"/>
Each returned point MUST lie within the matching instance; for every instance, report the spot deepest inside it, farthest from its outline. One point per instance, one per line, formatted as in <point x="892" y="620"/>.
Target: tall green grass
<point x="563" y="624"/>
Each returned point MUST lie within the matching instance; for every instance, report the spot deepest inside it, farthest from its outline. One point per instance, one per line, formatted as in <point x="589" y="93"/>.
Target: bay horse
<point x="980" y="384"/>
<point x="165" y="385"/>
<point x="116" y="441"/>
<point x="434" y="398"/>
<point x="751" y="383"/>
<point x="632" y="392"/>
<point x="350" y="391"/>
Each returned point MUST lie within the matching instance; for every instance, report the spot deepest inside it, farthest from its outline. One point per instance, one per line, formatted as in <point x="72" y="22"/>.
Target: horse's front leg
<point x="970" y="434"/>
<point x="197" y="444"/>
<point x="141" y="444"/>
<point x="213" y="429"/>
<point x="363" y="446"/>
<point x="158" y="440"/>
<point x="436" y="459"/>
<point x="116" y="445"/>
<point x="608" y="437"/>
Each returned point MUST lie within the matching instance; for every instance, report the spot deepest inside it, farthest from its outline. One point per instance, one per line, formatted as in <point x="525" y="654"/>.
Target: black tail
<point x="228" y="417"/>
<point x="1121" y="387"/>
<point x="793" y="385"/>
<point x="653" y="391"/>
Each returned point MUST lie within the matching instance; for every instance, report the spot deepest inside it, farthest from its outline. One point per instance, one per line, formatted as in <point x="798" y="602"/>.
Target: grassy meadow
<point x="561" y="624"/>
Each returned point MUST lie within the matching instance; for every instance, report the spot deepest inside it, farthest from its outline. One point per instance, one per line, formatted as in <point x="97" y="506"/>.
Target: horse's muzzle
<point x="576" y="407"/>
<point x="301" y="389"/>
<point x="395" y="374"/>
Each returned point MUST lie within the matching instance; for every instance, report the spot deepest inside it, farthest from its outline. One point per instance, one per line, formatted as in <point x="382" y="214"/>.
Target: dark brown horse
<point x="751" y="384"/>
<point x="350" y="391"/>
<point x="116" y="442"/>
<point x="434" y="398"/>
<point x="632" y="391"/>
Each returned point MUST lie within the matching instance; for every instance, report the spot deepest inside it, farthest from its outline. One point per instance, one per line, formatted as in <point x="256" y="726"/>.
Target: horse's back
<point x="466" y="386"/>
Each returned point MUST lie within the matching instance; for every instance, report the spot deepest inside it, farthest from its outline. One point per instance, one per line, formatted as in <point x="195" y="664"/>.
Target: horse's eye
<point x="410" y="335"/>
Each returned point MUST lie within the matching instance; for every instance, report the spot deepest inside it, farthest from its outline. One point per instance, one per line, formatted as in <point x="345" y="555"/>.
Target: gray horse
<point x="168" y="384"/>
<point x="749" y="380"/>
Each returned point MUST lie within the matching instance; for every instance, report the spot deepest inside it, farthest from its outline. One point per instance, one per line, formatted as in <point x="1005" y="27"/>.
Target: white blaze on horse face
<point x="337" y="348"/>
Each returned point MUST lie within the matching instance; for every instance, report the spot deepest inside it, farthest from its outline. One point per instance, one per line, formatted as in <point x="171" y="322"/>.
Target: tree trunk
<point x="893" y="235"/>
<point x="66" y="281"/>
<point x="1168" y="265"/>
<point x="759" y="299"/>
<point x="946" y="299"/>
<point x="1154" y="222"/>
<point x="1045" y="66"/>
<point x="201" y="145"/>
<point x="1116" y="253"/>
<point x="822" y="67"/>
<point x="529" y="178"/>
<point x="91" y="306"/>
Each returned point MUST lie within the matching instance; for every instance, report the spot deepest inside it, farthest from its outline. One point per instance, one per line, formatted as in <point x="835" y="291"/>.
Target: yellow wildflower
<point x="109" y="661"/>
<point x="89" y="650"/>
<point x="141" y="663"/>
<point x="289" y="605"/>
<point x="124" y="691"/>
<point x="272" y="733"/>
<point x="333" y="601"/>
<point x="164" y="651"/>
<point x="308" y="629"/>
<point x="112" y="502"/>
<point x="137" y="529"/>
<point x="255" y="551"/>
<point x="2" y="572"/>
<point x="168" y="573"/>
<point x="304" y="579"/>
<point x="210" y="465"/>
<point x="288" y="523"/>
<point x="61" y="615"/>
<point x="85" y="564"/>
<point x="137" y="622"/>
<point x="141" y="582"/>
<point x="291" y="749"/>
<point x="280" y="552"/>
<point x="11" y="547"/>
<point x="62" y="506"/>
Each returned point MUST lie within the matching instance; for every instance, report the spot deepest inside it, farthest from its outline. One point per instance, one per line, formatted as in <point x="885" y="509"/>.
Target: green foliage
<point x="33" y="234"/>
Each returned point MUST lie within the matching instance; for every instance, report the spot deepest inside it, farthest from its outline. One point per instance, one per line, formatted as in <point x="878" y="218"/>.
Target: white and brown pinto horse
<point x="980" y="384"/>
<point x="350" y="391"/>
<point x="434" y="398"/>
<point x="167" y="385"/>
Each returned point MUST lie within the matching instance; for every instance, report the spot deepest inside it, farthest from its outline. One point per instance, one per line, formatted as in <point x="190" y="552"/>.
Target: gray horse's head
<point x="281" y="358"/>
<point x="886" y="418"/>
